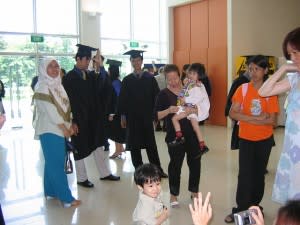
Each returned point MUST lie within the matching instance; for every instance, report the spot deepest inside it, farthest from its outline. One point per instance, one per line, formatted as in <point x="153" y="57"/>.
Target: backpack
<point x="244" y="93"/>
<point x="235" y="130"/>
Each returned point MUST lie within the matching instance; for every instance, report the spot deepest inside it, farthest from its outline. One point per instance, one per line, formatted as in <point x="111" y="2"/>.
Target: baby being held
<point x="192" y="95"/>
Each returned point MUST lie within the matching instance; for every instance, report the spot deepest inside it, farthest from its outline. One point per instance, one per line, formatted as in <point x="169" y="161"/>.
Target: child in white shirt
<point x="149" y="209"/>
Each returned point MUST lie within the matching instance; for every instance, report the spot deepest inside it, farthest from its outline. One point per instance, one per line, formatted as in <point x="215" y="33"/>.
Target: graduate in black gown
<point x="103" y="92"/>
<point x="98" y="69"/>
<point x="115" y="131"/>
<point x="136" y="105"/>
<point x="88" y="138"/>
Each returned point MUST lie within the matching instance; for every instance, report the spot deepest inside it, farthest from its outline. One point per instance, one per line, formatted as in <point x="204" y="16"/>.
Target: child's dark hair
<point x="185" y="67"/>
<point x="199" y="69"/>
<point x="147" y="173"/>
<point x="183" y="74"/>
<point x="289" y="213"/>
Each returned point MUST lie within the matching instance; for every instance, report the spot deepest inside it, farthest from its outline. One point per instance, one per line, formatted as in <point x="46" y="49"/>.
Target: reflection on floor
<point x="112" y="203"/>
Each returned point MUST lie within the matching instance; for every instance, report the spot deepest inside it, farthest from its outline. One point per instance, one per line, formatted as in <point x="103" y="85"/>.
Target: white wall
<point x="259" y="26"/>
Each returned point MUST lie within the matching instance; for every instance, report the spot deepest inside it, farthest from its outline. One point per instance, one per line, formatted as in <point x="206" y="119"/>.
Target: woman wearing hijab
<point x="52" y="125"/>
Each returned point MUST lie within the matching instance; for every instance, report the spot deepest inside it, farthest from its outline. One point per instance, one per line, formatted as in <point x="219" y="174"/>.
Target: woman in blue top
<point x="287" y="180"/>
<point x="115" y="131"/>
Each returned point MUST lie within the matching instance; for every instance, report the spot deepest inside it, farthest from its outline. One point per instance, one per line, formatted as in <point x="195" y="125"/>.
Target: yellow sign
<point x="240" y="64"/>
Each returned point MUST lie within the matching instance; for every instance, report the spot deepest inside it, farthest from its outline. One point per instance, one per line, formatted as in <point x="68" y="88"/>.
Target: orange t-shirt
<point x="253" y="104"/>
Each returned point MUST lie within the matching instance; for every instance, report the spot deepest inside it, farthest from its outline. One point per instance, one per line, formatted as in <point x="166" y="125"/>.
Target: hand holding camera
<point x="251" y="216"/>
<point x="258" y="216"/>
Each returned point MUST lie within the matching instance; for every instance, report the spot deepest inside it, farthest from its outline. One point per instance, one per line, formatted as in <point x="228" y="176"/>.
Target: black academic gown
<point x="103" y="91"/>
<point x="136" y="102"/>
<point x="235" y="84"/>
<point x="82" y="99"/>
<point x="115" y="131"/>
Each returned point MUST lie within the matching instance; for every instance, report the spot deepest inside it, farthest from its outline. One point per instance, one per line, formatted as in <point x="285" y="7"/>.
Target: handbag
<point x="70" y="147"/>
<point x="68" y="162"/>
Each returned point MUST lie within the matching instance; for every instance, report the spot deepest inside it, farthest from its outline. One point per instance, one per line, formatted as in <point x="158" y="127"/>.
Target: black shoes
<point x="111" y="177"/>
<point x="176" y="142"/>
<point x="164" y="175"/>
<point x="86" y="184"/>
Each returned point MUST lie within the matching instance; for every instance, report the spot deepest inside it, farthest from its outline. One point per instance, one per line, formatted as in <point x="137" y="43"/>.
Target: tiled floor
<point x="112" y="203"/>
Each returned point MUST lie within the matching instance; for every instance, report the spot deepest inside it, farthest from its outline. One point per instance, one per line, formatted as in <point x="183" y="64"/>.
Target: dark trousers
<point x="174" y="169"/>
<point x="152" y="153"/>
<point x="253" y="160"/>
<point x="2" y="222"/>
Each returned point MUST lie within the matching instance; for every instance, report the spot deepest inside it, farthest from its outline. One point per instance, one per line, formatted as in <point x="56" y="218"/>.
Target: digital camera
<point x="244" y="217"/>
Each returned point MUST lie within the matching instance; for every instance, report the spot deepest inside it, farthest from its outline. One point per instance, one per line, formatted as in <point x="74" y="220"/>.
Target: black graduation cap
<point x="113" y="62"/>
<point x="84" y="50"/>
<point x="148" y="65"/>
<point x="134" y="53"/>
<point x="159" y="65"/>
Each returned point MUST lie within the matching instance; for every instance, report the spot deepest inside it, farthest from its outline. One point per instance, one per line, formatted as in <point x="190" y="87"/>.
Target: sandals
<point x="75" y="203"/>
<point x="116" y="155"/>
<point x="229" y="218"/>
<point x="174" y="204"/>
<point x="194" y="195"/>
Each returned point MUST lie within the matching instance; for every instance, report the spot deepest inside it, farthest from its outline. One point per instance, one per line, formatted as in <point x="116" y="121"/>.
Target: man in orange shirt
<point x="257" y="116"/>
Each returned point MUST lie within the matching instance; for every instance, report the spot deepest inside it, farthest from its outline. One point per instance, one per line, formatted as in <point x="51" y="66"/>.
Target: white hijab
<point x="53" y="85"/>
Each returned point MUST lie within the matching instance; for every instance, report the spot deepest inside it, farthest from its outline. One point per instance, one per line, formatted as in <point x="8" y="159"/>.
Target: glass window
<point x="141" y="21"/>
<point x="114" y="47"/>
<point x="152" y="50"/>
<point x="146" y="20"/>
<point x="164" y="51"/>
<point x="115" y="20"/>
<point x="16" y="74"/>
<point x="58" y="45"/>
<point x="17" y="70"/>
<point x="56" y="16"/>
<point x="16" y="16"/>
<point x="66" y="62"/>
<point x="164" y="30"/>
<point x="16" y="43"/>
